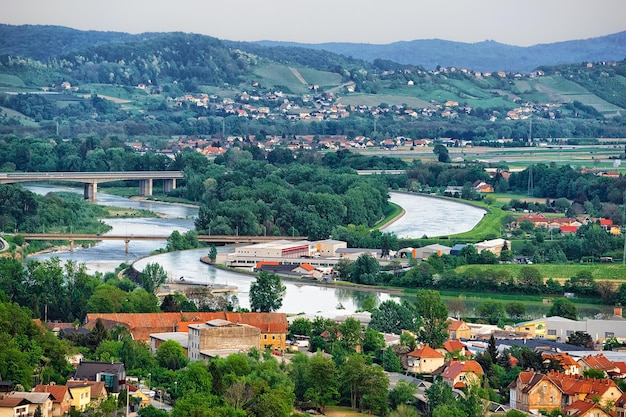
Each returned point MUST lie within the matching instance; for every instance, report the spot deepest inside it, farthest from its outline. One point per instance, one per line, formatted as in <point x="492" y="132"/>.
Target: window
<point x="552" y="332"/>
<point x="608" y="335"/>
<point x="568" y="333"/>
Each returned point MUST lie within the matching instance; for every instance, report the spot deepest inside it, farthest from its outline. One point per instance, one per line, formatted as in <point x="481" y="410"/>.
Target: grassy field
<point x="336" y="411"/>
<point x="615" y="272"/>
<point x="11" y="81"/>
<point x="281" y="76"/>
<point x="488" y="228"/>
<point x="569" y="91"/>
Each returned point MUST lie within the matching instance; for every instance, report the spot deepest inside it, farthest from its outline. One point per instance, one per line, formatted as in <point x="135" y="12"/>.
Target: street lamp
<point x="175" y="386"/>
<point x="149" y="375"/>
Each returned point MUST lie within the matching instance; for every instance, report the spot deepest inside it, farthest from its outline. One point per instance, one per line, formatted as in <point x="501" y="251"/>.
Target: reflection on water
<point x="299" y="298"/>
<point x="440" y="217"/>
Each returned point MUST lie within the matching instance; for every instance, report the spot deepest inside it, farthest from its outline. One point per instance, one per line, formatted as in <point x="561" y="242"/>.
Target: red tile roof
<point x="456" y="368"/>
<point x="58" y="391"/>
<point x="580" y="408"/>
<point x="454" y="345"/>
<point x="142" y="324"/>
<point x="426" y="352"/>
<point x="455" y="324"/>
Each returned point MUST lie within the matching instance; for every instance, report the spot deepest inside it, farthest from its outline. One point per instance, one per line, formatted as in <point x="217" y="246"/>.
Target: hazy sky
<point x="521" y="22"/>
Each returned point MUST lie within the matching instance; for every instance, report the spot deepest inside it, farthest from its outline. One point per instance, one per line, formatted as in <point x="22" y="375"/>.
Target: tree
<point x="442" y="152"/>
<point x="391" y="362"/>
<point x="365" y="270"/>
<point x="402" y="393"/>
<point x="564" y="308"/>
<point x="152" y="277"/>
<point x="266" y="293"/>
<point x="490" y="310"/>
<point x="391" y="317"/>
<point x="432" y="316"/>
<point x="579" y="338"/>
<point x="171" y="355"/>
<point x="515" y="309"/>
<point x="212" y="253"/>
<point x="322" y="375"/>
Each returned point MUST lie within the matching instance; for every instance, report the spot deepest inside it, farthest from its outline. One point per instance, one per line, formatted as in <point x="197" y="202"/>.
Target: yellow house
<point x="534" y="328"/>
<point x="424" y="360"/>
<point x="81" y="396"/>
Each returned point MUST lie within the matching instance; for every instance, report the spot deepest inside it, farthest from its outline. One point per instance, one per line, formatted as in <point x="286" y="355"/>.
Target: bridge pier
<point x="90" y="190"/>
<point x="169" y="185"/>
<point x="145" y="187"/>
<point x="126" y="242"/>
<point x="71" y="245"/>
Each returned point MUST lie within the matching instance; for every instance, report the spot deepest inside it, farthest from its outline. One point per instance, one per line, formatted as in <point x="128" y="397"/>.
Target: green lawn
<point x="599" y="271"/>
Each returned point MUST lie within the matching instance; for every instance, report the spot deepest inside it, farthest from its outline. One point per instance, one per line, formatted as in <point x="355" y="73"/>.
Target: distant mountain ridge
<point x="44" y="41"/>
<point x="481" y="56"/>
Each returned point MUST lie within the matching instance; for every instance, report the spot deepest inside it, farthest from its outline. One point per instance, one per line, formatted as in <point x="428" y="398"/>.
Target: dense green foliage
<point x="29" y="354"/>
<point x="22" y="210"/>
<point x="266" y="293"/>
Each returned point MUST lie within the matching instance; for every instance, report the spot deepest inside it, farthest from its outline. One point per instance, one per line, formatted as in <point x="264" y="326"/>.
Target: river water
<point x="424" y="215"/>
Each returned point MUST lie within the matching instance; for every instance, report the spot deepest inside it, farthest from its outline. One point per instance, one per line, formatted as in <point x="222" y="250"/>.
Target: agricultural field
<point x="7" y="80"/>
<point x="560" y="89"/>
<point x="297" y="80"/>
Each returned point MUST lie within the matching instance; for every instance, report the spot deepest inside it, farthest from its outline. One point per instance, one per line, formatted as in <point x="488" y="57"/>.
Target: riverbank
<point x="313" y="282"/>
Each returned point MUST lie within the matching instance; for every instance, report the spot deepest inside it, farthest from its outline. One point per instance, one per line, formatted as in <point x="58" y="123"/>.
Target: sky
<point x="521" y="22"/>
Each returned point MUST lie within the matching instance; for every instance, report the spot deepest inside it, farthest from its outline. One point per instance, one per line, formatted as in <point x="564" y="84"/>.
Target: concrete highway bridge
<point x="92" y="179"/>
<point x="218" y="239"/>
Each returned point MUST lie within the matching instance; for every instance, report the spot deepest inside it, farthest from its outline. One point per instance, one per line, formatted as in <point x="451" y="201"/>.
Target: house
<point x="455" y="347"/>
<point x="538" y="220"/>
<point x="598" y="362"/>
<point x="61" y="398"/>
<point x="81" y="396"/>
<point x="38" y="400"/>
<point x="586" y="409"/>
<point x="620" y="406"/>
<point x="482" y="187"/>
<point x="97" y="390"/>
<point x="574" y="388"/>
<point x="568" y="363"/>
<point x="462" y="374"/>
<point x="113" y="374"/>
<point x="137" y="398"/>
<point x="424" y="360"/>
<point x="15" y="406"/>
<point x="533" y="391"/>
<point x="458" y="329"/>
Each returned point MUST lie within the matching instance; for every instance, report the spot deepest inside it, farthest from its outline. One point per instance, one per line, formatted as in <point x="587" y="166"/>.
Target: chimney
<point x="617" y="311"/>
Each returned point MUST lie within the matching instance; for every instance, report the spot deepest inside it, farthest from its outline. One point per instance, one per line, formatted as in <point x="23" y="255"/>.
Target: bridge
<point x="219" y="239"/>
<point x="92" y="179"/>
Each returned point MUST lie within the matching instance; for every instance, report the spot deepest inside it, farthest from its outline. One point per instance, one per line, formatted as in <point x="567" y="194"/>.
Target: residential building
<point x="113" y="374"/>
<point x="424" y="360"/>
<point x="97" y="390"/>
<point x="532" y="391"/>
<point x="61" y="398"/>
<point x="15" y="407"/>
<point x="38" y="400"/>
<point x="598" y="362"/>
<point x="81" y="396"/>
<point x="586" y="409"/>
<point x="568" y="363"/>
<point x="458" y="329"/>
<point x="462" y="373"/>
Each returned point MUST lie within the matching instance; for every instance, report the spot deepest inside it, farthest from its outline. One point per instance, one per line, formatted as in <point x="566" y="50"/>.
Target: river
<point x="105" y="256"/>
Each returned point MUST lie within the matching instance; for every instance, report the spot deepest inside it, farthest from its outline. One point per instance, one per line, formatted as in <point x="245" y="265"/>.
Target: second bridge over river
<point x="218" y="239"/>
<point x="91" y="179"/>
